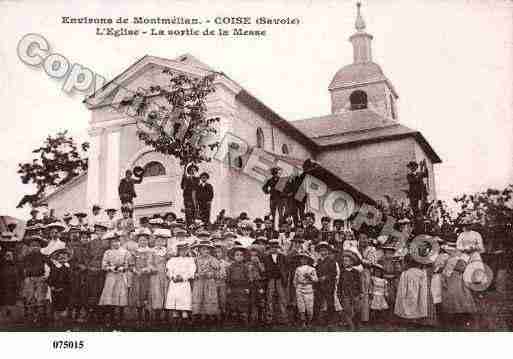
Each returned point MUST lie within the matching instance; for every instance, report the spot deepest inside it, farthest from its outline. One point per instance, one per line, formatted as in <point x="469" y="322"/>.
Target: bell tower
<point x="362" y="84"/>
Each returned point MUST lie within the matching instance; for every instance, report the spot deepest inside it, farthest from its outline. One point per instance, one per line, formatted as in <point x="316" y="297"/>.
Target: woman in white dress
<point x="180" y="271"/>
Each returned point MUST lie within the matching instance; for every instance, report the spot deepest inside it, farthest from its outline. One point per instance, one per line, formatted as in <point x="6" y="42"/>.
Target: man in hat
<point x="295" y="195"/>
<point x="33" y="218"/>
<point x="350" y="290"/>
<point x="59" y="281"/>
<point x="269" y="231"/>
<point x="81" y="222"/>
<point x="326" y="269"/>
<point x="189" y="186"/>
<point x="304" y="278"/>
<point x="417" y="192"/>
<point x="275" y="192"/>
<point x="276" y="273"/>
<point x="96" y="216"/>
<point x="312" y="234"/>
<point x="258" y="230"/>
<point x="204" y="196"/>
<point x="326" y="234"/>
<point x="95" y="277"/>
<point x="79" y="246"/>
<point x="126" y="189"/>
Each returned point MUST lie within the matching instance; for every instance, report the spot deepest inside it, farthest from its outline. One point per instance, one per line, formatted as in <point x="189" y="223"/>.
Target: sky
<point x="451" y="63"/>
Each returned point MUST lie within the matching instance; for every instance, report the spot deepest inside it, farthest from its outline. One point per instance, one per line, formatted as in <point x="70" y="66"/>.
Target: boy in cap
<point x="269" y="231"/>
<point x="276" y="197"/>
<point x="204" y="197"/>
<point x="326" y="235"/>
<point x="238" y="284"/>
<point x="327" y="273"/>
<point x="111" y="220"/>
<point x="59" y="281"/>
<point x="259" y="230"/>
<point x="276" y="273"/>
<point x="256" y="271"/>
<point x="79" y="246"/>
<point x="349" y="289"/>
<point x="312" y="234"/>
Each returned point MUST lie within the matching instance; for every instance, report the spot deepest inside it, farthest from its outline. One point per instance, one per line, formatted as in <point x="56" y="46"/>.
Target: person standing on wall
<point x="204" y="197"/>
<point x="276" y="198"/>
<point x="126" y="187"/>
<point x="189" y="185"/>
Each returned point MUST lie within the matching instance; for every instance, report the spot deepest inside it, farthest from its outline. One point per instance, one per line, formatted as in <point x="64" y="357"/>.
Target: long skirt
<point x="139" y="292"/>
<point x="456" y="296"/>
<point x="204" y="297"/>
<point x="79" y="290"/>
<point x="158" y="288"/>
<point x="115" y="290"/>
<point x="179" y="296"/>
<point x="94" y="286"/>
<point x="34" y="291"/>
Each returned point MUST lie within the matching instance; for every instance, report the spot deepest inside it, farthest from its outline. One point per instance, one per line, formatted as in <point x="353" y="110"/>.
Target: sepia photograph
<point x="262" y="166"/>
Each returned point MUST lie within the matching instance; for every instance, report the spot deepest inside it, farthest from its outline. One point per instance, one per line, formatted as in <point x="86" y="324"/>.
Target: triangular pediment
<point x="146" y="72"/>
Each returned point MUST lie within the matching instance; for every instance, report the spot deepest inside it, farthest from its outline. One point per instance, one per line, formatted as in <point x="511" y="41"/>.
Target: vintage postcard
<point x="256" y="166"/>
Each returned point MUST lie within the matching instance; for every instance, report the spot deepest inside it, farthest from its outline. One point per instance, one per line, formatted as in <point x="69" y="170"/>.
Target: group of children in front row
<point x="167" y="275"/>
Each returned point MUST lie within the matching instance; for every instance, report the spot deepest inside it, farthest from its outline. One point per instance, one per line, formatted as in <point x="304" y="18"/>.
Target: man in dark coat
<point x="204" y="197"/>
<point x="126" y="189"/>
<point x="325" y="288"/>
<point x="417" y="192"/>
<point x="312" y="234"/>
<point x="276" y="197"/>
<point x="189" y="185"/>
<point x="276" y="274"/>
<point x="269" y="232"/>
<point x="295" y="195"/>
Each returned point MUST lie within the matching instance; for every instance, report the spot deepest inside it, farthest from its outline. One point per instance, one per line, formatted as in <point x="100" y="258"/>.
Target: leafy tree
<point x="172" y="119"/>
<point x="59" y="161"/>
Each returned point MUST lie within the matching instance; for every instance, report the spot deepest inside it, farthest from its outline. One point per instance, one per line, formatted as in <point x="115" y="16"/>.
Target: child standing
<point x="180" y="270"/>
<point x="59" y="281"/>
<point x="379" y="292"/>
<point x="158" y="278"/>
<point x="115" y="290"/>
<point x="257" y="286"/>
<point x="204" y="290"/>
<point x="219" y="253"/>
<point x="350" y="289"/>
<point x="238" y="284"/>
<point x="78" y="245"/>
<point x="139" y="291"/>
<point x="304" y="278"/>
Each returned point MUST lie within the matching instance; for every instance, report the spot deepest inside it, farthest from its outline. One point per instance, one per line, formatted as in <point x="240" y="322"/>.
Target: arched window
<point x="358" y="100"/>
<point x="154" y="168"/>
<point x="285" y="149"/>
<point x="260" y="138"/>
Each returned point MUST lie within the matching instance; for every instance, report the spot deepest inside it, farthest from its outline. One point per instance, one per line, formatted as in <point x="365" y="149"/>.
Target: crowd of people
<point x="95" y="269"/>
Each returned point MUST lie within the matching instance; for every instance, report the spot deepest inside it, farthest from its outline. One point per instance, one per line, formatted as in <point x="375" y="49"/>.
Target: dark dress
<point x="60" y="283"/>
<point x="95" y="276"/>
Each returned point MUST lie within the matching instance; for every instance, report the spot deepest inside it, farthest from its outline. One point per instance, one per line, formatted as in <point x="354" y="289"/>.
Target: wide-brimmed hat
<point x="260" y="240"/>
<point x="57" y="225"/>
<point x="80" y="214"/>
<point x="143" y="232"/>
<point x="156" y="220"/>
<point x="75" y="228"/>
<point x="403" y="221"/>
<point x="258" y="220"/>
<point x="203" y="244"/>
<point x="303" y="254"/>
<point x="274" y="243"/>
<point x="202" y="234"/>
<point x="172" y="214"/>
<point x="67" y="215"/>
<point x="229" y="234"/>
<point x="101" y="225"/>
<point x="180" y="231"/>
<point x="204" y="174"/>
<point x="64" y="251"/>
<point x="351" y="254"/>
<point x="110" y="210"/>
<point x="321" y="245"/>
<point x="162" y="232"/>
<point x="111" y="235"/>
<point x="35" y="238"/>
<point x="237" y="248"/>
<point x="96" y="206"/>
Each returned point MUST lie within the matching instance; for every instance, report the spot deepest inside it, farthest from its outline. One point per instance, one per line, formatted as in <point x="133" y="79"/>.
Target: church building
<point x="361" y="147"/>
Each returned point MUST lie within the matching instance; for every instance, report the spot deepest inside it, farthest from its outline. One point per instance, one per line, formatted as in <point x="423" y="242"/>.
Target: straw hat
<point x="351" y="254"/>
<point x="162" y="232"/>
<point x="238" y="248"/>
<point x="57" y="225"/>
<point x="321" y="245"/>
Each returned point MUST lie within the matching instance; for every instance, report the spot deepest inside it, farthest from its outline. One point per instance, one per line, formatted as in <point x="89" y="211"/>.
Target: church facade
<point x="360" y="146"/>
